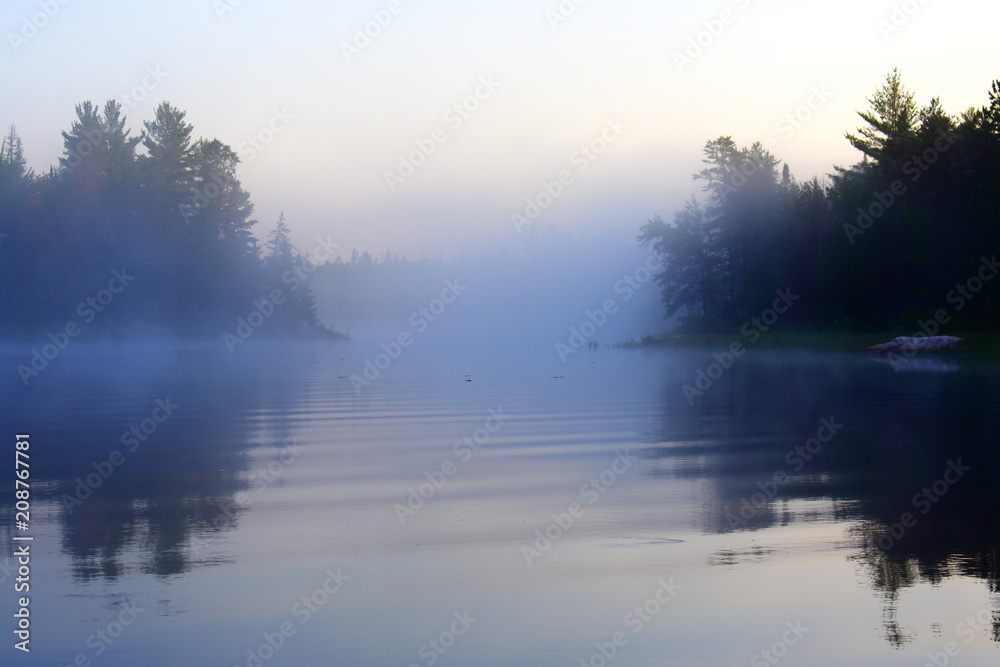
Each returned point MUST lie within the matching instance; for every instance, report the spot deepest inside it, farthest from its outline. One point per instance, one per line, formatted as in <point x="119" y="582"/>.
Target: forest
<point x="904" y="240"/>
<point x="155" y="229"/>
<point x="144" y="235"/>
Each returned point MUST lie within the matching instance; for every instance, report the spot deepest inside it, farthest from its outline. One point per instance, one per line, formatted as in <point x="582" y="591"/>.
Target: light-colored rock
<point x="916" y="343"/>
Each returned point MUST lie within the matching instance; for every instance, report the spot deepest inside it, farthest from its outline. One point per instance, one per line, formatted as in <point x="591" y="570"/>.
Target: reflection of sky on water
<point x="211" y="586"/>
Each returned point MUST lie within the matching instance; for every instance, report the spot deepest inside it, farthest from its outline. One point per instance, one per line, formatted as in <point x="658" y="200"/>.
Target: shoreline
<point x="977" y="342"/>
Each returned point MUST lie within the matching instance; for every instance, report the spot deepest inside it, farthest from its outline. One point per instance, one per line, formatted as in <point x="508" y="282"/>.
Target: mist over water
<point x="529" y="296"/>
<point x="544" y="500"/>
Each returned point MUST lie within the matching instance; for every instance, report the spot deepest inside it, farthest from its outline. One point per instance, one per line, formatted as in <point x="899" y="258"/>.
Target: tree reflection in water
<point x="743" y="440"/>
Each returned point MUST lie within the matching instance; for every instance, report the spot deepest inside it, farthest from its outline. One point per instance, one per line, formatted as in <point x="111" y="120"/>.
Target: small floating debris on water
<point x="643" y="541"/>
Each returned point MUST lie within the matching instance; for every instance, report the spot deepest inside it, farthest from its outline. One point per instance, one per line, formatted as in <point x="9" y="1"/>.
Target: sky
<point x="345" y="113"/>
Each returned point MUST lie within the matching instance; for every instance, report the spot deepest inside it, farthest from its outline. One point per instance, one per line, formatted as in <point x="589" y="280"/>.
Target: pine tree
<point x="288" y="270"/>
<point x="170" y="162"/>
<point x="888" y="136"/>
<point x="692" y="259"/>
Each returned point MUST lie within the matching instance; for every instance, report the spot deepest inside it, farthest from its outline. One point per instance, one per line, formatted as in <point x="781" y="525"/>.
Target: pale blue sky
<point x="557" y="90"/>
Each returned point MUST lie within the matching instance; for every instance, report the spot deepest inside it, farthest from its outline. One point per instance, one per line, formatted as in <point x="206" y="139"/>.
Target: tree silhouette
<point x="167" y="208"/>
<point x="890" y="122"/>
<point x="882" y="246"/>
<point x="288" y="270"/>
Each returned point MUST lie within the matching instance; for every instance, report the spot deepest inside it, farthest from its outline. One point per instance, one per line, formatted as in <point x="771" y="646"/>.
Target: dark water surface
<point x="491" y="506"/>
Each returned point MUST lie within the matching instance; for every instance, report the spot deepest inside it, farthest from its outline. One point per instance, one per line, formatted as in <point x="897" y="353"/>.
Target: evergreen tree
<point x="288" y="270"/>
<point x="13" y="167"/>
<point x="170" y="162"/>
<point x="888" y="135"/>
<point x="176" y="217"/>
<point x="881" y="247"/>
<point x="23" y="230"/>
<point x="692" y="259"/>
<point x="216" y="224"/>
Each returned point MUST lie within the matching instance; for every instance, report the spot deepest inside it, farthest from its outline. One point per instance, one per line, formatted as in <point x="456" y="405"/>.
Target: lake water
<point x="483" y="505"/>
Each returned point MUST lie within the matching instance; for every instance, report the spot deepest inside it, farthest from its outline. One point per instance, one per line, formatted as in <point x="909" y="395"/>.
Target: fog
<point x="537" y="294"/>
<point x="330" y="331"/>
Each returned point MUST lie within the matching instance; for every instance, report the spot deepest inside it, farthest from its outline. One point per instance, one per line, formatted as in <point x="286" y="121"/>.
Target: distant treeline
<point x="904" y="238"/>
<point x="147" y="234"/>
